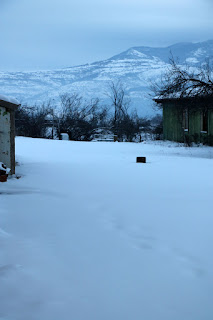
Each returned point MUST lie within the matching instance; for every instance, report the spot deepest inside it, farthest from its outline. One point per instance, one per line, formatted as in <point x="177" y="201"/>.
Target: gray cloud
<point x="53" y="33"/>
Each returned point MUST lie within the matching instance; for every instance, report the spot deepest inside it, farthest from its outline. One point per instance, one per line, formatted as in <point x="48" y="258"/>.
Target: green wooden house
<point x="187" y="119"/>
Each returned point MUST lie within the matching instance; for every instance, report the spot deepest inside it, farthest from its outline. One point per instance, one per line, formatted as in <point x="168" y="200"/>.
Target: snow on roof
<point x="186" y="94"/>
<point x="9" y="99"/>
<point x="49" y="116"/>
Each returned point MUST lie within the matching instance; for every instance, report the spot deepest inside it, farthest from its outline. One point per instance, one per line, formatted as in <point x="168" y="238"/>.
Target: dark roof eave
<point x="162" y="100"/>
<point x="9" y="105"/>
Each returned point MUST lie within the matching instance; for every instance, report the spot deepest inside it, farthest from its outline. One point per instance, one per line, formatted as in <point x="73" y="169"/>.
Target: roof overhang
<point x="184" y="99"/>
<point x="9" y="105"/>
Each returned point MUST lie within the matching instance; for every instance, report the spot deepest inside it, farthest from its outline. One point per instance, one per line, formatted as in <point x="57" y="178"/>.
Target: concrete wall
<point x="5" y="137"/>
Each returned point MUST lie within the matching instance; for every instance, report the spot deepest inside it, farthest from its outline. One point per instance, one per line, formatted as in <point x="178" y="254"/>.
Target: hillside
<point x="136" y="68"/>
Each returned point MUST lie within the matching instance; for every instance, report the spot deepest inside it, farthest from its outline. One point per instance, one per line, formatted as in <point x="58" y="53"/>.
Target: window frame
<point x="185" y="120"/>
<point x="204" y="121"/>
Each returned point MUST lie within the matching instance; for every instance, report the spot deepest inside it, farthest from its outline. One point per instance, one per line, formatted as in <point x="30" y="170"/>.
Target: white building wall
<point x="5" y="155"/>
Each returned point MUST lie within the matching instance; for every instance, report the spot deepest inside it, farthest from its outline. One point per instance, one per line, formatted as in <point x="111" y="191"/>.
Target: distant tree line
<point x="80" y="118"/>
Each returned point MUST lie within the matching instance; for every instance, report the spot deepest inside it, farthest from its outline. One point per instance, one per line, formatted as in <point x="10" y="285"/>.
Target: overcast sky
<point x="47" y="34"/>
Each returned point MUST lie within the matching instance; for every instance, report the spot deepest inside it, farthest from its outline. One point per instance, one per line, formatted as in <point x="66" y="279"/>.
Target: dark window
<point x="204" y="121"/>
<point x="185" y="119"/>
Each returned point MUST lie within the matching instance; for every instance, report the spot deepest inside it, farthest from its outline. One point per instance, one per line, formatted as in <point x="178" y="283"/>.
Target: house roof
<point x="178" y="96"/>
<point x="8" y="102"/>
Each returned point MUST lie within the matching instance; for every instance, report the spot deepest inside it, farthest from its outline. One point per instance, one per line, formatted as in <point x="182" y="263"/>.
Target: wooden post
<point x="141" y="159"/>
<point x="12" y="141"/>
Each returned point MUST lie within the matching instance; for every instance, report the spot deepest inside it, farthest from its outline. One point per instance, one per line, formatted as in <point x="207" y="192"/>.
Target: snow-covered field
<point x="88" y="234"/>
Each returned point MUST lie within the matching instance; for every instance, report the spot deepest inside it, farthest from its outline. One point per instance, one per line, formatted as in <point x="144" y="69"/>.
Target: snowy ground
<point x="88" y="234"/>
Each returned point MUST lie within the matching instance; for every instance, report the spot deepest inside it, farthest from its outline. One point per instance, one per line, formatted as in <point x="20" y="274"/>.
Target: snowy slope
<point x="135" y="67"/>
<point x="107" y="238"/>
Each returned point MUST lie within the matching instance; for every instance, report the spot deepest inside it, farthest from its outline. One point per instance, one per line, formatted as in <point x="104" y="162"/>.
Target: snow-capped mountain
<point x="135" y="68"/>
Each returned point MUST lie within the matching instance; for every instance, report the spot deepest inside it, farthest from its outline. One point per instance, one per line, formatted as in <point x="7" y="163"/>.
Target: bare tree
<point x="185" y="82"/>
<point x="79" y="117"/>
<point x="119" y="101"/>
<point x="31" y="121"/>
<point x="123" y="123"/>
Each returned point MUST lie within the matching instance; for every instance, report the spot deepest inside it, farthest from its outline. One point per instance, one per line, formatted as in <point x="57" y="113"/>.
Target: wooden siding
<point x="5" y="150"/>
<point x="7" y="138"/>
<point x="173" y="126"/>
<point x="210" y="124"/>
<point x="172" y="123"/>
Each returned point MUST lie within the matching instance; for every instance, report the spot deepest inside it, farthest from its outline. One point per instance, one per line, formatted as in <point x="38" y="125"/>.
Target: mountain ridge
<point x="135" y="68"/>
